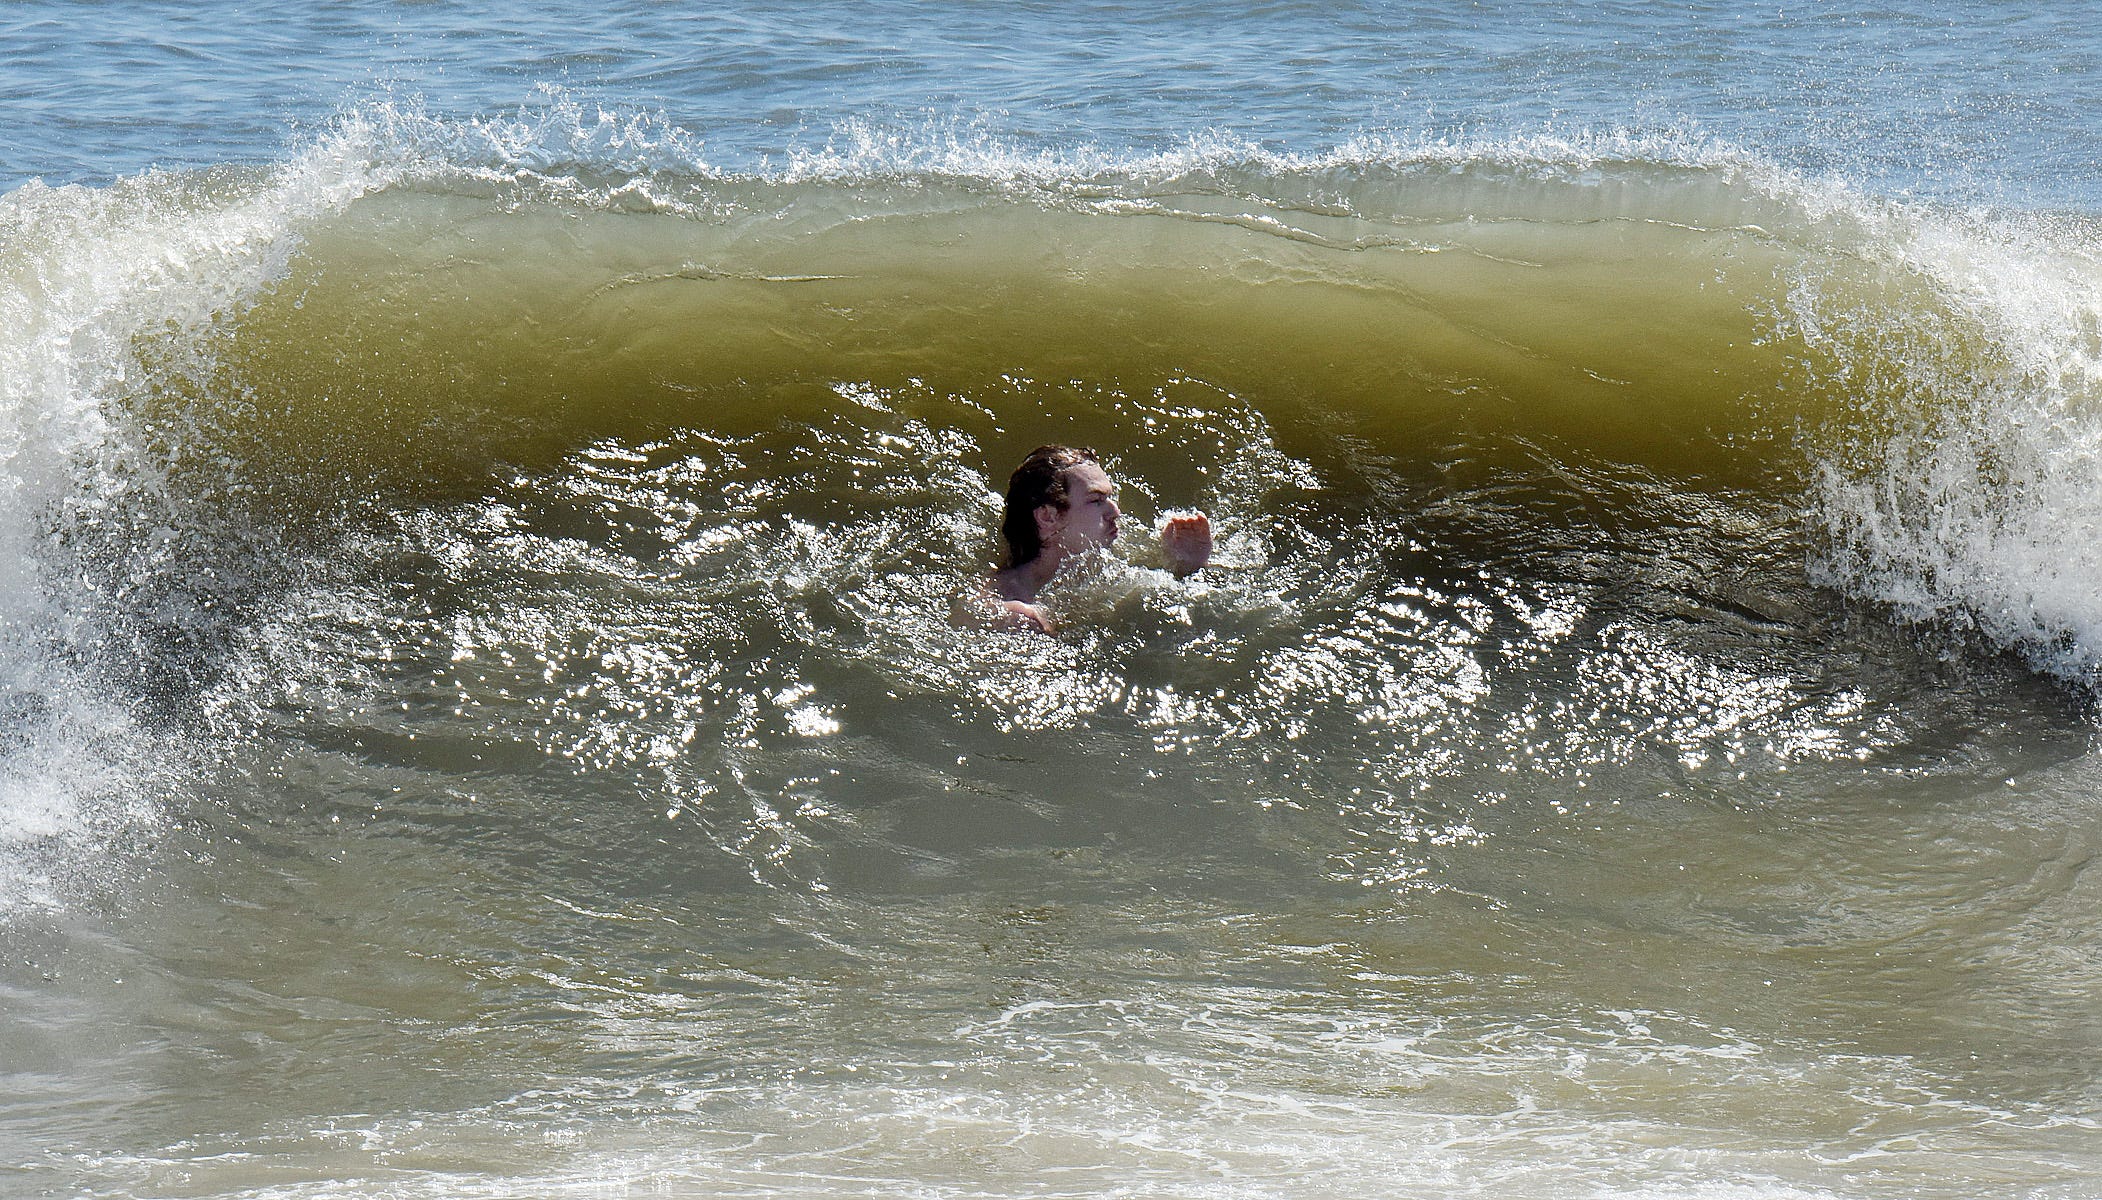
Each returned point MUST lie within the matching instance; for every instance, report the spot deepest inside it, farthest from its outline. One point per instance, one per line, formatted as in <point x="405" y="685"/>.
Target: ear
<point x="1048" y="519"/>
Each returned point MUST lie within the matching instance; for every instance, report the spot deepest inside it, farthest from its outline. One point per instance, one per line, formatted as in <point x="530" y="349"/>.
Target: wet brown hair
<point x="1040" y="480"/>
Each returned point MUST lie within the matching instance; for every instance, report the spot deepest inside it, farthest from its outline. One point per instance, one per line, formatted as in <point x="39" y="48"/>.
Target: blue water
<point x="1967" y="102"/>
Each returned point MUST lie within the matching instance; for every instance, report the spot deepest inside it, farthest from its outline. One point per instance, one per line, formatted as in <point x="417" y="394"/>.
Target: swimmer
<point x="1060" y="504"/>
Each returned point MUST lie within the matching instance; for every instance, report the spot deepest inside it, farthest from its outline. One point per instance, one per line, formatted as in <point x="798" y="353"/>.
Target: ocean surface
<point x="484" y="488"/>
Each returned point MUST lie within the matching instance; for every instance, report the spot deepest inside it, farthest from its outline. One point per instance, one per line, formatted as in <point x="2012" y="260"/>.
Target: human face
<point x="1089" y="519"/>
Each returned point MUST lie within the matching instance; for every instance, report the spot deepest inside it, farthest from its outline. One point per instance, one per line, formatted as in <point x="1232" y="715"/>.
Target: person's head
<point x="1060" y="496"/>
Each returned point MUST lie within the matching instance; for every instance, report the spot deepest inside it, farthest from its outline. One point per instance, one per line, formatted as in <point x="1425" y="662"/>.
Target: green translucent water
<point x="483" y="714"/>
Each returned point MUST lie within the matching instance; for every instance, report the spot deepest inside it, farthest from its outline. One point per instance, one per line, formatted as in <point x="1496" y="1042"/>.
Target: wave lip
<point x="1964" y="493"/>
<point x="89" y="278"/>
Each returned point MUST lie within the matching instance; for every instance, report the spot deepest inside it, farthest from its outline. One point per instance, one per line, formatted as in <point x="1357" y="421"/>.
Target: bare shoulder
<point x="987" y="604"/>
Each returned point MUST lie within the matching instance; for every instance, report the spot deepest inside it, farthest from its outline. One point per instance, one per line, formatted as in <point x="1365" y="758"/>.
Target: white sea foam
<point x="86" y="272"/>
<point x="1971" y="498"/>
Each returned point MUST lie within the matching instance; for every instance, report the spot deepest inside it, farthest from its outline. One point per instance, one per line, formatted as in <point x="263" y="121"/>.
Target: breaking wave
<point x="544" y="433"/>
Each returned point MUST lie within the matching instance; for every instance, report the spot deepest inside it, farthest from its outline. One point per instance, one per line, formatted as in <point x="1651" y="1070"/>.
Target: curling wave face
<point x="532" y="522"/>
<point x="1496" y="433"/>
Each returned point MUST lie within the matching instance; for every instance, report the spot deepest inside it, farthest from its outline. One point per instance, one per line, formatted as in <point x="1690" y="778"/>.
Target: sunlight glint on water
<point x="480" y="708"/>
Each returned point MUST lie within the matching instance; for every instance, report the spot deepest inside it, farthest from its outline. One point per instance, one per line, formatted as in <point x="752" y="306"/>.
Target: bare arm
<point x="1021" y="617"/>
